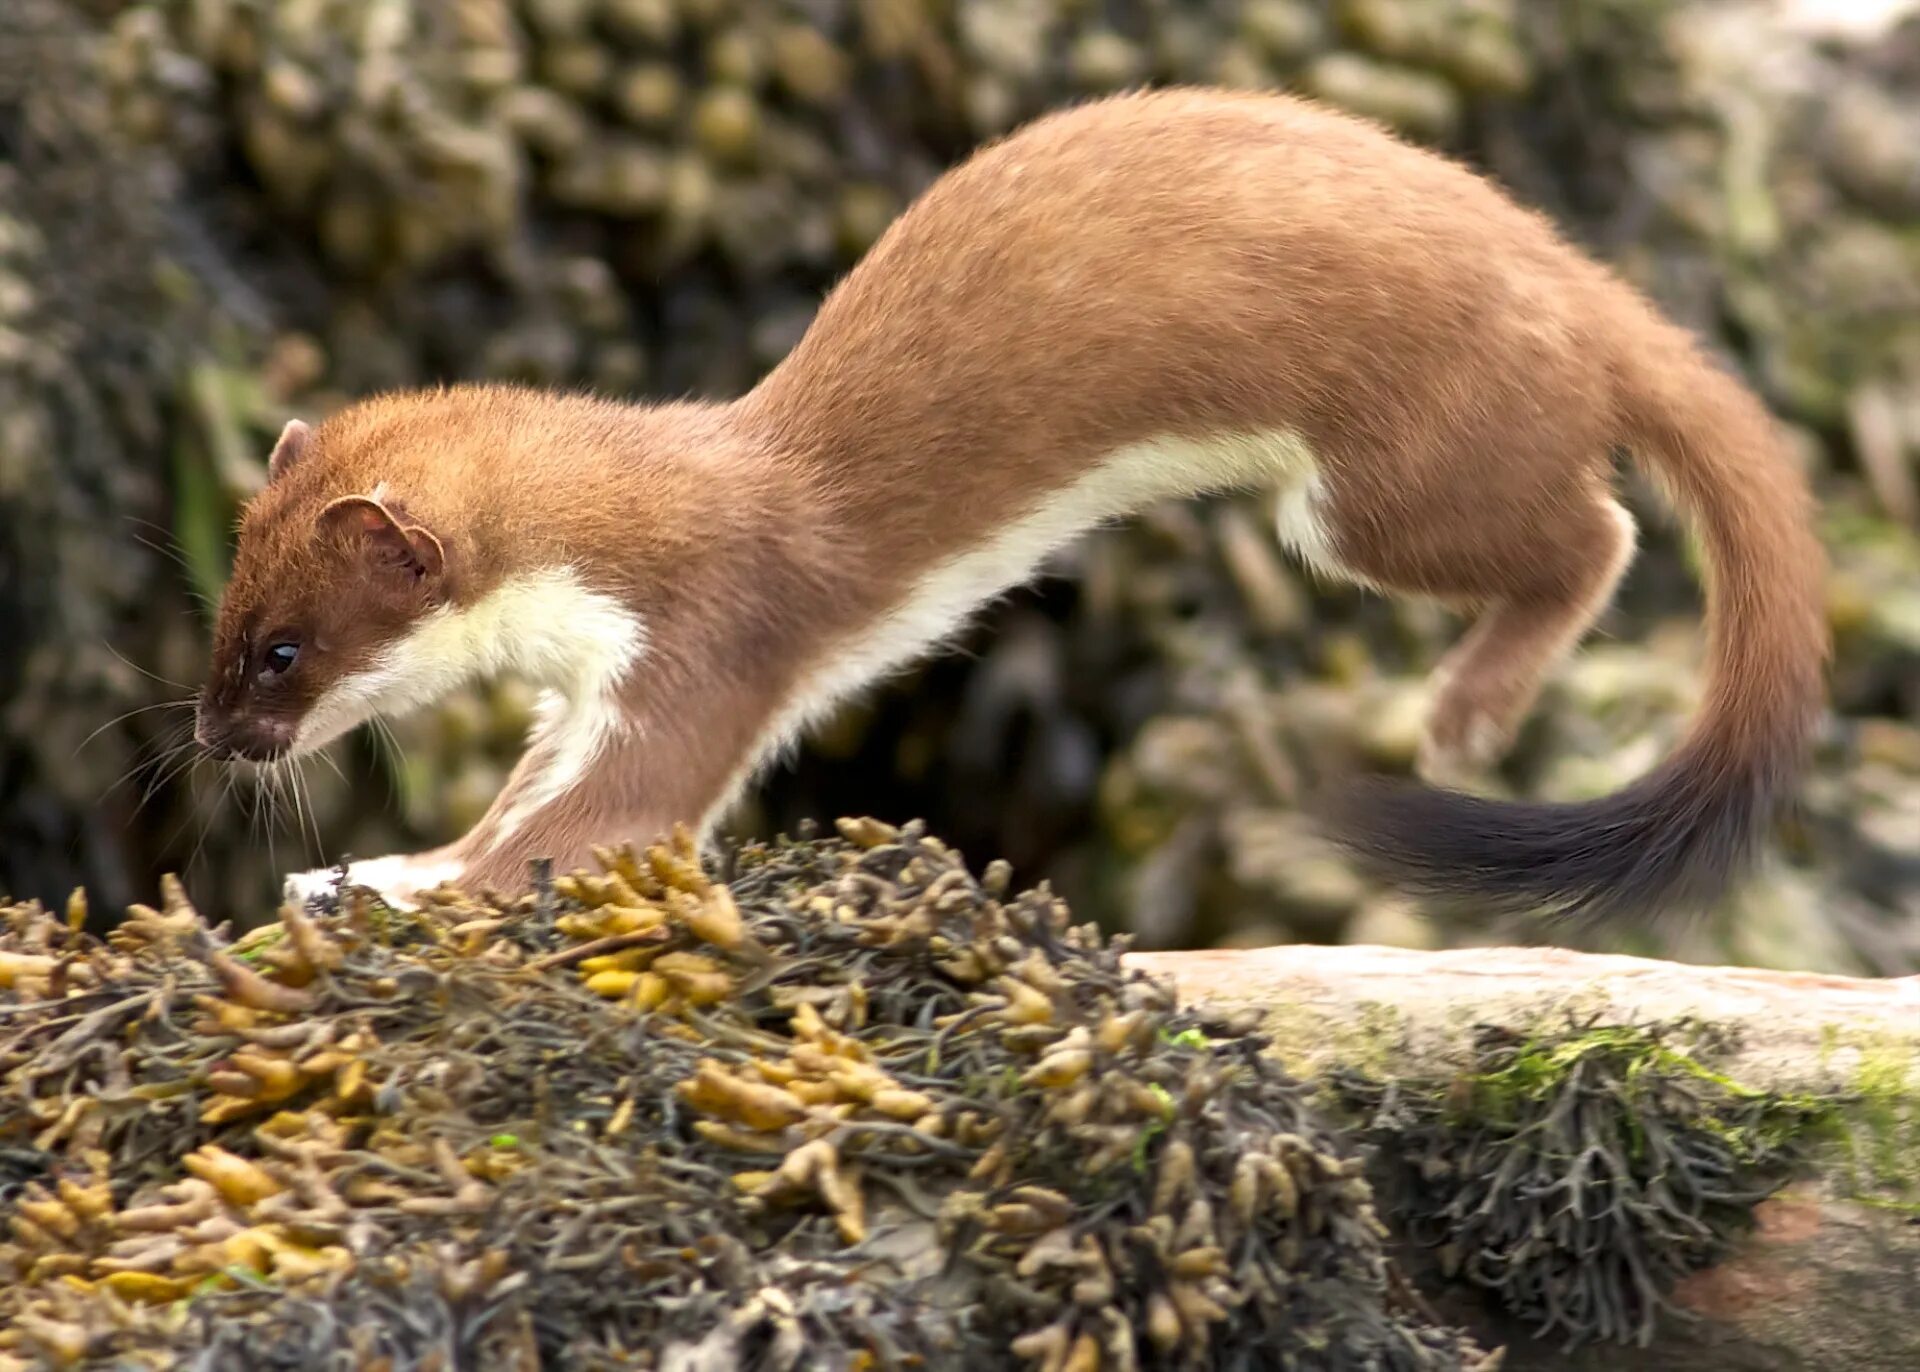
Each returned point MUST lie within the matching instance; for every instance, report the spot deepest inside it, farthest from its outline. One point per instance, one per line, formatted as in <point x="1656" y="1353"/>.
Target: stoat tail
<point x="1679" y="836"/>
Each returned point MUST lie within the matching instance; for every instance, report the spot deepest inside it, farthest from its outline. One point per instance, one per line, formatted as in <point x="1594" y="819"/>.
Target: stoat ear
<point x="293" y="440"/>
<point x="409" y="548"/>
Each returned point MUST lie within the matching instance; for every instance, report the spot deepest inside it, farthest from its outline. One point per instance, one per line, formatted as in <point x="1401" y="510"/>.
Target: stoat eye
<point x="278" y="657"/>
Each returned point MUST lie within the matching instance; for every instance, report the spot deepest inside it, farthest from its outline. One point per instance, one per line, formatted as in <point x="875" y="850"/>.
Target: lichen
<point x="1575" y="1175"/>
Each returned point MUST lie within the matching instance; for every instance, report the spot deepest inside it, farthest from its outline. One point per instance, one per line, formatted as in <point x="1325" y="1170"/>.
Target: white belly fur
<point x="1128" y="481"/>
<point x="1298" y="521"/>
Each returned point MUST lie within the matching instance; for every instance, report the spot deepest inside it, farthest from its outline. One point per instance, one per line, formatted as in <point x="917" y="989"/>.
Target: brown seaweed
<point x="853" y="1107"/>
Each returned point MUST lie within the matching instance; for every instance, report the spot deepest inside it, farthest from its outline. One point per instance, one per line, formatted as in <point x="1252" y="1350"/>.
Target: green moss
<point x="1881" y="1122"/>
<point x="254" y="946"/>
<point x="1898" y="1207"/>
<point x="1153" y="1128"/>
<point x="1308" y="1044"/>
<point x="1186" y="1038"/>
<point x="1648" y="1062"/>
<point x="1885" y="1112"/>
<point x="1377" y="1040"/>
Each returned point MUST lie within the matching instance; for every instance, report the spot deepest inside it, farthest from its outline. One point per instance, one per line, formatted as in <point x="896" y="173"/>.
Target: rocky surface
<point x="1469" y="1066"/>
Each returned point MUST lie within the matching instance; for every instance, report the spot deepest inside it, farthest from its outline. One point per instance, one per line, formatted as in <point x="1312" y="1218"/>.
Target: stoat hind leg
<point x="1488" y="682"/>
<point x="1537" y="581"/>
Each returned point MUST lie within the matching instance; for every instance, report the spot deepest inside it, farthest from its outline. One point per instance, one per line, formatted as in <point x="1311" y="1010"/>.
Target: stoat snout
<point x="241" y="737"/>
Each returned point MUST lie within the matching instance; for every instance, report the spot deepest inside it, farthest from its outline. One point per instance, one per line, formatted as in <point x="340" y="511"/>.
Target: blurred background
<point x="215" y="214"/>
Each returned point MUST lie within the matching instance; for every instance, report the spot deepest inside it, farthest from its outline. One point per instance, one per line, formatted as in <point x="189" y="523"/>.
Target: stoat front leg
<point x="592" y="775"/>
<point x="658" y="770"/>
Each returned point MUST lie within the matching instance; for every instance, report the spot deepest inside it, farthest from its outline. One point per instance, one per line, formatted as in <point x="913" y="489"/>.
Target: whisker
<point x="152" y="753"/>
<point x="169" y="549"/>
<point x="176" y="557"/>
<point x="155" y="676"/>
<point x="214" y="810"/>
<point x="250" y="799"/>
<point x="162" y="530"/>
<point x="383" y="730"/>
<point x="264" y="797"/>
<point x="284" y="799"/>
<point x="193" y="808"/>
<point x="202" y="806"/>
<point x="300" y="789"/>
<point x="179" y="760"/>
<point x="285" y="777"/>
<point x="395" y="757"/>
<point x="269" y="777"/>
<point x="275" y="825"/>
<point x="306" y="784"/>
<point x="187" y="703"/>
<point x="327" y="757"/>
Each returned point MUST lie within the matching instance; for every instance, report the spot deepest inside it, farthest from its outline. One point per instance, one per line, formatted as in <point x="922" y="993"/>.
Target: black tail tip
<point x="1665" y="848"/>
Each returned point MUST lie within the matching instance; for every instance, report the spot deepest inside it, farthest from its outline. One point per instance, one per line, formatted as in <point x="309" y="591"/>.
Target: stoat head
<point x="326" y="578"/>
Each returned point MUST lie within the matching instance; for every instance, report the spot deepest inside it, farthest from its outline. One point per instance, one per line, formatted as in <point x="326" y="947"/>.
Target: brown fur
<point x="1179" y="264"/>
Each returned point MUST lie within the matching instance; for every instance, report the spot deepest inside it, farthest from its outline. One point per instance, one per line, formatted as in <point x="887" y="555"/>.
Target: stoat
<point x="1156" y="295"/>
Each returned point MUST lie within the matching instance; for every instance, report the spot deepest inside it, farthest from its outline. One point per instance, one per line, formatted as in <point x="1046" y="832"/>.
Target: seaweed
<point x="1575" y="1176"/>
<point x="852" y="1107"/>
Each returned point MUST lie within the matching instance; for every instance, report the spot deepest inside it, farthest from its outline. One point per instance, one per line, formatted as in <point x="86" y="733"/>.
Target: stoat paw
<point x="1466" y="762"/>
<point x="397" y="880"/>
<point x="303" y="888"/>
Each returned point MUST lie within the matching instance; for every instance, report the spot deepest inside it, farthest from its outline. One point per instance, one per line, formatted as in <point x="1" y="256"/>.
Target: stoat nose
<point x="217" y="745"/>
<point x="238" y="739"/>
